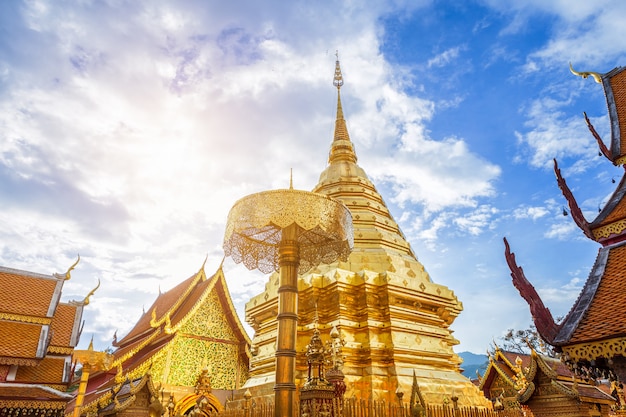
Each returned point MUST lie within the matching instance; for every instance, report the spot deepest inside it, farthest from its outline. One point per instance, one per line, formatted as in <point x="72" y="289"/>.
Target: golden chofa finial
<point x="596" y="76"/>
<point x="86" y="300"/>
<point x="67" y="275"/>
<point x="338" y="80"/>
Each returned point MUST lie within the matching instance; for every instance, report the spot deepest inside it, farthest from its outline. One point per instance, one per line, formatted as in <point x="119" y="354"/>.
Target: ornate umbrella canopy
<point x="255" y="226"/>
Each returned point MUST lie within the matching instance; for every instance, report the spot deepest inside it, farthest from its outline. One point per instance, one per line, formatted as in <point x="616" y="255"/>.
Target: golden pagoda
<point x="394" y="320"/>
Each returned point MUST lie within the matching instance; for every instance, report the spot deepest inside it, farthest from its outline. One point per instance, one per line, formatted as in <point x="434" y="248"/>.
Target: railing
<point x="354" y="407"/>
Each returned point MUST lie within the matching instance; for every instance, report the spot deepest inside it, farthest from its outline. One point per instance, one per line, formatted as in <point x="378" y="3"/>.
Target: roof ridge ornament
<point x="338" y="79"/>
<point x="67" y="275"/>
<point x="595" y="75"/>
<point x="86" y="299"/>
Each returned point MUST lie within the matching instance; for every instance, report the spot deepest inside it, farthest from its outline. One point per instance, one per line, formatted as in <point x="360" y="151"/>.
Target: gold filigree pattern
<point x="614" y="228"/>
<point x="25" y="319"/>
<point x="604" y="349"/>
<point x="185" y="364"/>
<point x="33" y="405"/>
<point x="255" y="224"/>
<point x="209" y="321"/>
<point x="60" y="350"/>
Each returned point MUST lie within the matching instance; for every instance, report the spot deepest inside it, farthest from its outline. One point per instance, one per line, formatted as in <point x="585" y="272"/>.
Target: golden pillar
<point x="91" y="361"/>
<point x="289" y="231"/>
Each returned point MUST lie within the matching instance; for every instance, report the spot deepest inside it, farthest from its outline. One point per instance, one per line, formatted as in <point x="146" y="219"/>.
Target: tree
<point x="522" y="341"/>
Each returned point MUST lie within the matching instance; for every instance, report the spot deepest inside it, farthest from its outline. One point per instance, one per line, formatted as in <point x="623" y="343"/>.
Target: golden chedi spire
<point x="393" y="318"/>
<point x="342" y="148"/>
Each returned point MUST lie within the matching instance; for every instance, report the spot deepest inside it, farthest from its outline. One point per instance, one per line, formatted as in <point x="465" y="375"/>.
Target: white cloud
<point x="477" y="220"/>
<point x="561" y="231"/>
<point x="533" y="213"/>
<point x="445" y="57"/>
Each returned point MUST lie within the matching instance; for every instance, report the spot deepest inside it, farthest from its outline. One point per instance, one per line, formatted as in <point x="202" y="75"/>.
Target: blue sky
<point x="128" y="129"/>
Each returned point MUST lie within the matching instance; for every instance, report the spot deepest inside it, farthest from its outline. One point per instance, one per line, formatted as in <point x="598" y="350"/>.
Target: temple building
<point x="592" y="337"/>
<point x="540" y="386"/>
<point x="188" y="351"/>
<point x="393" y="319"/>
<point x="39" y="334"/>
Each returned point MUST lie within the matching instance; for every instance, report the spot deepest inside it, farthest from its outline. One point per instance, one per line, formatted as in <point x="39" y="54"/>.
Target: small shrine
<point x="188" y="352"/>
<point x="541" y="386"/>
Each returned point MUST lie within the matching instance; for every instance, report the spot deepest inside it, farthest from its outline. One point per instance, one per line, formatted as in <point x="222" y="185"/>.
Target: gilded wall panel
<point x="209" y="321"/>
<point x="190" y="355"/>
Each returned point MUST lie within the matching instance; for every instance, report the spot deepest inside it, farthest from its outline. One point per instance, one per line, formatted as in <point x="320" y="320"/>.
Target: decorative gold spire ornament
<point x="595" y="75"/>
<point x="86" y="299"/>
<point x="289" y="231"/>
<point x="67" y="275"/>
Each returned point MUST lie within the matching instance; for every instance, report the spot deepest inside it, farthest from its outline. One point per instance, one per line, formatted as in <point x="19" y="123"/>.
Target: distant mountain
<point x="473" y="362"/>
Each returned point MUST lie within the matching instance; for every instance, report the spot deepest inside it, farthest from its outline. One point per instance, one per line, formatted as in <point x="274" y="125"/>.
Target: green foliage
<point x="521" y="341"/>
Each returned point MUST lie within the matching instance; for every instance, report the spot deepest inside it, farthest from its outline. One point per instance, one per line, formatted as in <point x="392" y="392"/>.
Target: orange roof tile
<point x="20" y="391"/>
<point x="164" y="302"/>
<point x="27" y="293"/>
<point x="62" y="325"/>
<point x="49" y="371"/>
<point x="603" y="297"/>
<point x="19" y="340"/>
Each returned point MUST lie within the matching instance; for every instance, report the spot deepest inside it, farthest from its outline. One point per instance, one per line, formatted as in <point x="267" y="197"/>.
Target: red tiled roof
<point x="19" y="340"/>
<point x="62" y="325"/>
<point x="19" y="391"/>
<point x="608" y="301"/>
<point x="49" y="371"/>
<point x="162" y="305"/>
<point x="26" y="293"/>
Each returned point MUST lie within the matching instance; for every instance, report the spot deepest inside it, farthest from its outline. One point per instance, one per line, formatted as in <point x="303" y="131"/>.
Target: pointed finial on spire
<point x="204" y="263"/>
<point x="338" y="80"/>
<point x="291" y="178"/>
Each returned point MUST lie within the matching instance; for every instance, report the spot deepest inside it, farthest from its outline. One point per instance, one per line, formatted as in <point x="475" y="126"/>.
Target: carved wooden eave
<point x="613" y="82"/>
<point x="541" y="315"/>
<point x="577" y="214"/>
<point x="603" y="149"/>
<point x="610" y="225"/>
<point x="526" y="393"/>
<point x="545" y="367"/>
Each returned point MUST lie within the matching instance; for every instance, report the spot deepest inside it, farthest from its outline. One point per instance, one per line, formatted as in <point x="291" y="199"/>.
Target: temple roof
<point x="598" y="313"/>
<point x="32" y="320"/>
<point x="19" y="391"/>
<point x="28" y="293"/>
<point x="157" y="327"/>
<point x="614" y="83"/>
<point x="510" y="366"/>
<point x="64" y="325"/>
